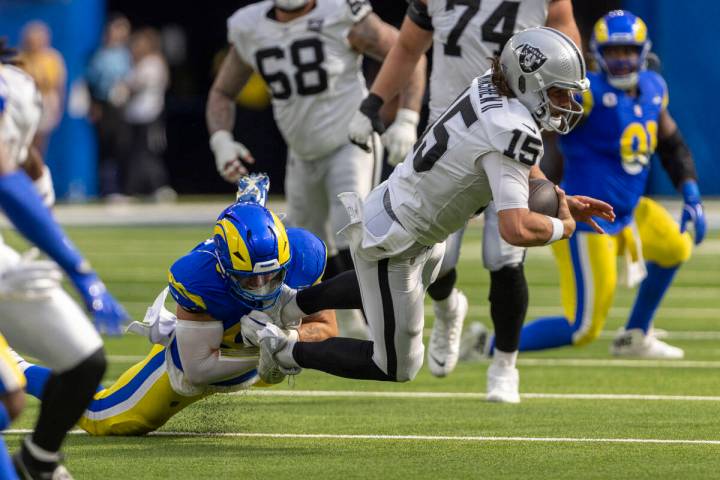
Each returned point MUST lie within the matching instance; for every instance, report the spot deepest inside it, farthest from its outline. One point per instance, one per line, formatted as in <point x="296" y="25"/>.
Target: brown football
<point x="543" y="198"/>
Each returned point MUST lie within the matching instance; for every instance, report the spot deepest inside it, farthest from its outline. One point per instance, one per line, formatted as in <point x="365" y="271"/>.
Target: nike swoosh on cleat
<point x="442" y="364"/>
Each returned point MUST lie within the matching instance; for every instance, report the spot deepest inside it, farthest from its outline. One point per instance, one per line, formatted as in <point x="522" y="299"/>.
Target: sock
<point x="23" y="206"/>
<point x="548" y="332"/>
<point x="651" y="292"/>
<point x="508" y="305"/>
<point x="38" y="459"/>
<point x="448" y="304"/>
<point x="37" y="377"/>
<point x="65" y="398"/>
<point x="340" y="292"/>
<point x="343" y="357"/>
<point x="504" y="359"/>
<point x="7" y="470"/>
<point x="443" y="286"/>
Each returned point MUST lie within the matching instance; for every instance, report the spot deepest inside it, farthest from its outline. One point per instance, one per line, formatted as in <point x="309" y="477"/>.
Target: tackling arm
<point x="198" y="337"/>
<point x="318" y="327"/>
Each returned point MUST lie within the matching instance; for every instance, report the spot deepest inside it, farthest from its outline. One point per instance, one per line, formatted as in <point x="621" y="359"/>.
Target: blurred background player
<point x="36" y="315"/>
<point x="608" y="157"/>
<point x="309" y="53"/>
<point x="109" y="66"/>
<point x="209" y="346"/>
<point x="480" y="150"/>
<point x="465" y="36"/>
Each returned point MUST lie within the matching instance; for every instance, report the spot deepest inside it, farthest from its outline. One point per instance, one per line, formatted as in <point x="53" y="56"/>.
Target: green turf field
<point x="431" y="428"/>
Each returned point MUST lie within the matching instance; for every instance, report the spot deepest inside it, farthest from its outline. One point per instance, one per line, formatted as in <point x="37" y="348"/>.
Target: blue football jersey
<point x="608" y="155"/>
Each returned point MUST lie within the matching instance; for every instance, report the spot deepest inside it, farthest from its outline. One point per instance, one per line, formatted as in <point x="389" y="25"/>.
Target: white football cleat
<point x="635" y="343"/>
<point x="272" y="339"/>
<point x="503" y="384"/>
<point x="444" y="347"/>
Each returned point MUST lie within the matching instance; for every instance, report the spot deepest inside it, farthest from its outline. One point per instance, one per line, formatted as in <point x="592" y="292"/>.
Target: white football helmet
<point x="290" y="5"/>
<point x="537" y="59"/>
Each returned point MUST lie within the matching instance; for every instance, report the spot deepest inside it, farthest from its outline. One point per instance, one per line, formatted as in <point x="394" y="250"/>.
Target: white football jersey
<point x="443" y="182"/>
<point x="467" y="34"/>
<point x="314" y="75"/>
<point x="22" y="111"/>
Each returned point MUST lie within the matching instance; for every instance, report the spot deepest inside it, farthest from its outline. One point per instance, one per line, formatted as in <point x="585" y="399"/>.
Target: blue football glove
<point x="108" y="314"/>
<point x="693" y="210"/>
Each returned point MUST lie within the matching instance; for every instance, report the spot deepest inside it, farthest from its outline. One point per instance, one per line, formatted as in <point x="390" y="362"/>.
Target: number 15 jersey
<point x="447" y="178"/>
<point x="313" y="73"/>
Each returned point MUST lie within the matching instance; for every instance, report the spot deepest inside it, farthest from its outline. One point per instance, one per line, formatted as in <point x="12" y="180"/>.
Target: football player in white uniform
<point x="465" y="36"/>
<point x="480" y="149"/>
<point x="309" y="52"/>
<point x="36" y="315"/>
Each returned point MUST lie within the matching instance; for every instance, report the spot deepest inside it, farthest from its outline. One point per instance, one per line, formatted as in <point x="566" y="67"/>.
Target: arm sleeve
<point x="676" y="158"/>
<point x="199" y="350"/>
<point x="508" y="181"/>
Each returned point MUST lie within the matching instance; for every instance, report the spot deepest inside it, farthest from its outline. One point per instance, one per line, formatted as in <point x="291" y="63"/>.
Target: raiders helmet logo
<point x="531" y="58"/>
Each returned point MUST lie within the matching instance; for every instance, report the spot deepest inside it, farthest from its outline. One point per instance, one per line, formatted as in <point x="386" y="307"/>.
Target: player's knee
<point x="678" y="250"/>
<point x="411" y="368"/>
<point x="14" y="403"/>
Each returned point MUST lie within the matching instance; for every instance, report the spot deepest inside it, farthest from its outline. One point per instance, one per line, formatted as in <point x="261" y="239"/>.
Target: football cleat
<point x="253" y="188"/>
<point x="503" y="384"/>
<point x="444" y="347"/>
<point x="636" y="343"/>
<point x="475" y="343"/>
<point x="271" y="340"/>
<point x="26" y="471"/>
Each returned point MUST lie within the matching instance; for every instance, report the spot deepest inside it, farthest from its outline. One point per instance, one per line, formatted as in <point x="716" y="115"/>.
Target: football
<point x="543" y="198"/>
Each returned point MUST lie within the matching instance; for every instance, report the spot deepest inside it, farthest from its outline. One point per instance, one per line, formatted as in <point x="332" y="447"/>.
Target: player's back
<point x="467" y="34"/>
<point x="442" y="183"/>
<point x="608" y="155"/>
<point x="20" y="115"/>
<point x="314" y="75"/>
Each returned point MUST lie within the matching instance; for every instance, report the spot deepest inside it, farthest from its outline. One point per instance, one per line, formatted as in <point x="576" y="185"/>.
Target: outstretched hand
<point x="584" y="208"/>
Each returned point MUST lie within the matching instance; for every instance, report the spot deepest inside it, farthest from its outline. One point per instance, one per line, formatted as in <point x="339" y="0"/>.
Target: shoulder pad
<point x="309" y="256"/>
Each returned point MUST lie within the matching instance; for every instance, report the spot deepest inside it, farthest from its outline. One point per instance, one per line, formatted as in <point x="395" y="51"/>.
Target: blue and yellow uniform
<point x="143" y="398"/>
<point x="607" y="157"/>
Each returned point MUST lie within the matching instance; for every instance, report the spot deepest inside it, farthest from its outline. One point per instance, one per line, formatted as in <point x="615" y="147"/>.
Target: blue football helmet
<point x="620" y="28"/>
<point x="253" y="188"/>
<point x="253" y="253"/>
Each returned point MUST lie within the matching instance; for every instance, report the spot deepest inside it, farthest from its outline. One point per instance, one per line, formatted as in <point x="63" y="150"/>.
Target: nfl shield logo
<point x="531" y="58"/>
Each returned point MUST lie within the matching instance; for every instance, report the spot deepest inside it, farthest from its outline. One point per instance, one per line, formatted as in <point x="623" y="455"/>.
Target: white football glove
<point x="360" y="129"/>
<point x="251" y="324"/>
<point x="229" y="156"/>
<point x="400" y="137"/>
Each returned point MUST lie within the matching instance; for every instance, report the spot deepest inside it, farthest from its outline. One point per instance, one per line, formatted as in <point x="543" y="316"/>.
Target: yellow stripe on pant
<point x="588" y="265"/>
<point x="140" y="401"/>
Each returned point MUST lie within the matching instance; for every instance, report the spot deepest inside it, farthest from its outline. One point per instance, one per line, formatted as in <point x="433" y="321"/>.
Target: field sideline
<point x="583" y="415"/>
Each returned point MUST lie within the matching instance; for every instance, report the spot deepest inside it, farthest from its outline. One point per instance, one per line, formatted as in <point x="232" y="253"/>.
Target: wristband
<point x="558" y="230"/>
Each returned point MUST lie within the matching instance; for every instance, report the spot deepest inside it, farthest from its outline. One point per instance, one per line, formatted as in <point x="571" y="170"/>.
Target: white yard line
<point x="472" y="395"/>
<point x="426" y="438"/>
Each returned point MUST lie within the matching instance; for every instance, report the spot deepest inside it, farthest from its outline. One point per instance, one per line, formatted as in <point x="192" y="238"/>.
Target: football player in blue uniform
<point x="221" y="288"/>
<point x="608" y="157"/>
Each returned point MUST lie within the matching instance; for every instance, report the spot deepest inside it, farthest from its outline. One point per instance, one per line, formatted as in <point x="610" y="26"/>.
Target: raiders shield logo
<point x="531" y="58"/>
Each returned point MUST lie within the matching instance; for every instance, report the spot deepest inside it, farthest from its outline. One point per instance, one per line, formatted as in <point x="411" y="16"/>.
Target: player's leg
<point x="140" y="401"/>
<point x="350" y="169"/>
<point x="12" y="402"/>
<point x="48" y="325"/>
<point x="392" y="292"/>
<point x="664" y="250"/>
<point x="587" y="264"/>
<point x="450" y="307"/>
